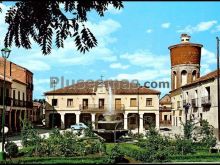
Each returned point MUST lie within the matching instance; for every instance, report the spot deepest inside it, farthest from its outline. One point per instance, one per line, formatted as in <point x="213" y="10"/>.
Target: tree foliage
<point x="41" y="20"/>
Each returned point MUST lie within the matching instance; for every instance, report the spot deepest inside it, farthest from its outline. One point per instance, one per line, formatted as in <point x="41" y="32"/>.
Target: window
<point x="13" y="94"/>
<point x="165" y="117"/>
<point x="18" y="95"/>
<point x="174" y="80"/>
<point x="23" y="96"/>
<point x="194" y="75"/>
<point x="2" y="91"/>
<point x="133" y="102"/>
<point x="183" y="77"/>
<point x="149" y="102"/>
<point x="7" y="92"/>
<point x="69" y="102"/>
<point x="54" y="102"/>
<point x="178" y="104"/>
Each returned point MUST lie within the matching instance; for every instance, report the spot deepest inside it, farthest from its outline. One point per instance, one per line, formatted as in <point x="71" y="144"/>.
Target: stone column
<point x="141" y="122"/>
<point x="93" y="120"/>
<point x="125" y="121"/>
<point x="77" y="117"/>
<point x="157" y="121"/>
<point x="62" y="121"/>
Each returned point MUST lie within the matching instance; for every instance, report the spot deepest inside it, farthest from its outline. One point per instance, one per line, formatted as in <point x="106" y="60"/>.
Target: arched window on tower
<point x="183" y="77"/>
<point x="194" y="75"/>
<point x="174" y="80"/>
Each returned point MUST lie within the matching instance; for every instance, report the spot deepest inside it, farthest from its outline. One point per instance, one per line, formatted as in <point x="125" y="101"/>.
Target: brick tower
<point x="185" y="62"/>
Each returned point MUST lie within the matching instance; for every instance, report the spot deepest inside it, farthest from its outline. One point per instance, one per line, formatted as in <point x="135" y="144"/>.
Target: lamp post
<point x="139" y="86"/>
<point x="54" y="82"/>
<point x="5" y="55"/>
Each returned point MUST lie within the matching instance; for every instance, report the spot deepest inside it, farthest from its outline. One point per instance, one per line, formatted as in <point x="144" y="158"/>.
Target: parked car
<point x="78" y="126"/>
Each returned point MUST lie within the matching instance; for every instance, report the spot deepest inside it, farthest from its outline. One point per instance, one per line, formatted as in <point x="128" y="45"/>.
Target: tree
<point x="39" y="20"/>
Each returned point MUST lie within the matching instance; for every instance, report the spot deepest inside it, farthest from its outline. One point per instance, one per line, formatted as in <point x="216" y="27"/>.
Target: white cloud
<point x="165" y="25"/>
<point x="208" y="59"/>
<point x="146" y="75"/>
<point x="149" y="30"/>
<point x="152" y="67"/>
<point x="118" y="66"/>
<point x="145" y="58"/>
<point x="112" y="10"/>
<point x="41" y="81"/>
<point x="35" y="65"/>
<point x="202" y="26"/>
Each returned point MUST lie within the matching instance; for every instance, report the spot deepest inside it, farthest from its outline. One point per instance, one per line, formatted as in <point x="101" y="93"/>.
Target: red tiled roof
<point x="166" y="99"/>
<point x="118" y="87"/>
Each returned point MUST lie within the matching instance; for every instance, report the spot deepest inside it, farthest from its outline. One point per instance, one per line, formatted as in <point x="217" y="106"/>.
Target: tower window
<point x="183" y="77"/>
<point x="194" y="75"/>
<point x="174" y="80"/>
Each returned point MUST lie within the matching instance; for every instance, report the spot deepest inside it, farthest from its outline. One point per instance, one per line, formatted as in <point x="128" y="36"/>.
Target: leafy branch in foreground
<point x="41" y="20"/>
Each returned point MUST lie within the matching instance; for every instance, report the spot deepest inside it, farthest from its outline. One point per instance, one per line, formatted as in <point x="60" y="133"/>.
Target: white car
<point x="78" y="126"/>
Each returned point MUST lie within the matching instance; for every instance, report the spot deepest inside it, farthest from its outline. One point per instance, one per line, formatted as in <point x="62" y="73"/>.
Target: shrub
<point x="116" y="155"/>
<point x="29" y="135"/>
<point x="27" y="151"/>
<point x="184" y="146"/>
<point x="12" y="149"/>
<point x="207" y="134"/>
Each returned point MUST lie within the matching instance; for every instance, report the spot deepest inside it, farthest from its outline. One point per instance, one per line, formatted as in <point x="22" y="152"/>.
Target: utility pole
<point x="218" y="87"/>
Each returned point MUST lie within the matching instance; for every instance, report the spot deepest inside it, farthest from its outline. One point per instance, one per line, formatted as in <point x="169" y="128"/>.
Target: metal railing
<point x="99" y="107"/>
<point x="206" y="101"/>
<point x="195" y="102"/>
<point x="184" y="103"/>
<point x="178" y="104"/>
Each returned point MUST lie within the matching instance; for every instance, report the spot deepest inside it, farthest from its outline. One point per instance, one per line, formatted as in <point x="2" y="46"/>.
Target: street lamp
<point x="53" y="102"/>
<point x="139" y="86"/>
<point x="218" y="84"/>
<point x="5" y="54"/>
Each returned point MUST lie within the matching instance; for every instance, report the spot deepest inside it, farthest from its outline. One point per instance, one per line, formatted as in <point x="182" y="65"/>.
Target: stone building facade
<point x="19" y="93"/>
<point x="196" y="97"/>
<point x="84" y="102"/>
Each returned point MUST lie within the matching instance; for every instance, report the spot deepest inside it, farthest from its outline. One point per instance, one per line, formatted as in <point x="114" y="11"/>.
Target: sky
<point x="132" y="44"/>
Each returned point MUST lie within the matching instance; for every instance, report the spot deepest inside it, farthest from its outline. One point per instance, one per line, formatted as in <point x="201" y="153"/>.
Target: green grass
<point x="59" y="160"/>
<point x="197" y="157"/>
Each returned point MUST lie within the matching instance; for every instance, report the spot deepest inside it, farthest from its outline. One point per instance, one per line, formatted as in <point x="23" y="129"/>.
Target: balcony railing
<point x="16" y="103"/>
<point x="195" y="103"/>
<point x="184" y="103"/>
<point x="105" y="107"/>
<point x="206" y="101"/>
<point x="7" y="101"/>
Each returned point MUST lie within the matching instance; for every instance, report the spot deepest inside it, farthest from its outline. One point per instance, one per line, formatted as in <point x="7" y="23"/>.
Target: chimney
<point x="185" y="38"/>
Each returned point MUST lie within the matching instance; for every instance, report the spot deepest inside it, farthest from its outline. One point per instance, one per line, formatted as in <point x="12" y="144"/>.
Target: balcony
<point x="184" y="103"/>
<point x="101" y="108"/>
<point x="7" y="101"/>
<point x="18" y="103"/>
<point x="206" y="101"/>
<point x="195" y="103"/>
